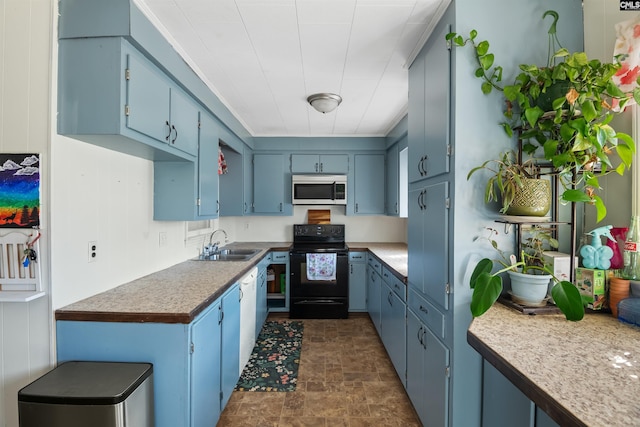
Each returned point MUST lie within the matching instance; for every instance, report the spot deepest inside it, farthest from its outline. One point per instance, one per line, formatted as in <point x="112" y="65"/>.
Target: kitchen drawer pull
<point x="423" y="309"/>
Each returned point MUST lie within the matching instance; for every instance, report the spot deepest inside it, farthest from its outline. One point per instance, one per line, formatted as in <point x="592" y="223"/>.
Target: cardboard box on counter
<point x="558" y="263"/>
<point x="592" y="283"/>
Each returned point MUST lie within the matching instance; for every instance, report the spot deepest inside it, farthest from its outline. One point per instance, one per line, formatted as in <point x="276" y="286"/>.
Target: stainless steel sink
<point x="230" y="255"/>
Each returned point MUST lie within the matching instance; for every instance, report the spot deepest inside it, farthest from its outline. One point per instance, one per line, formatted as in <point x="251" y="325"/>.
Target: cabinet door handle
<point x="356" y="207"/>
<point x="321" y="165"/>
<point x="422" y="340"/>
<point x="419" y="335"/>
<point x="166" y="123"/>
<point x="280" y="206"/>
<point x="389" y="299"/>
<point x="421" y="203"/>
<point x="424" y="159"/>
<point x="240" y="295"/>
<point x="420" y="165"/>
<point x="173" y="128"/>
<point x="351" y="268"/>
<point x="423" y="309"/>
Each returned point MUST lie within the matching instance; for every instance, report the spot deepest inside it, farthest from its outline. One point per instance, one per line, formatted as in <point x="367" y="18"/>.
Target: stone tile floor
<point x="345" y="379"/>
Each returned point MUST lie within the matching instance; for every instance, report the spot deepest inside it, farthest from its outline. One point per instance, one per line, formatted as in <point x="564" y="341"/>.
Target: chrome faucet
<point x="213" y="247"/>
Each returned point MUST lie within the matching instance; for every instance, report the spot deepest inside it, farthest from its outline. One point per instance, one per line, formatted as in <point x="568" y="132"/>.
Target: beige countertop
<point x="392" y="254"/>
<point x="583" y="373"/>
<point x="178" y="293"/>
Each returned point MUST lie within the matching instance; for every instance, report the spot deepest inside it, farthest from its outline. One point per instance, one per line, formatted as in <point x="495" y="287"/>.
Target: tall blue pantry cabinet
<point x="443" y="371"/>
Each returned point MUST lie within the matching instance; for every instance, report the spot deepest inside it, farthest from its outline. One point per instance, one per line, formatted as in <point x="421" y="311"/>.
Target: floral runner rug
<point x="274" y="362"/>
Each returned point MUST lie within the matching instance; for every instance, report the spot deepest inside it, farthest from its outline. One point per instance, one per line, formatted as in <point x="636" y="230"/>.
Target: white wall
<point x="25" y="52"/>
<point x="105" y="197"/>
<point x="363" y="228"/>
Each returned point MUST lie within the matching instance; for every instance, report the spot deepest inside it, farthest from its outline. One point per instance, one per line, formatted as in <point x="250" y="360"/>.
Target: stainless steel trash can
<point x="97" y="394"/>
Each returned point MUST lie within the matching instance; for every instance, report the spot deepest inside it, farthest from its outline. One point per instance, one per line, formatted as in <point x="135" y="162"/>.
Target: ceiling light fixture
<point x="324" y="102"/>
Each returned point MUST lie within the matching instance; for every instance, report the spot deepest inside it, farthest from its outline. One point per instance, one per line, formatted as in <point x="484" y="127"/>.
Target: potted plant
<point x="487" y="285"/>
<point x="562" y="112"/>
<point x="516" y="185"/>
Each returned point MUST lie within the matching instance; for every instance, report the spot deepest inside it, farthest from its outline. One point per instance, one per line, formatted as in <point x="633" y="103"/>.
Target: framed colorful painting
<point x="19" y="190"/>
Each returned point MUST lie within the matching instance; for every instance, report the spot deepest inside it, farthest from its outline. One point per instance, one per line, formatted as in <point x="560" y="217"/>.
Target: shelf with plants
<point x="560" y="113"/>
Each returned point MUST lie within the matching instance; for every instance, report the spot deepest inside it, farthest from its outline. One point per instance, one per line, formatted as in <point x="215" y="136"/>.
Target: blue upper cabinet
<point x="320" y="163"/>
<point x="429" y="143"/>
<point x="428" y="241"/>
<point x="148" y="99"/>
<point x="247" y="190"/>
<point x="369" y="176"/>
<point x="188" y="191"/>
<point x="208" y="179"/>
<point x="269" y="185"/>
<point x="183" y="118"/>
<point x="111" y="95"/>
<point x="392" y="193"/>
<point x="158" y="108"/>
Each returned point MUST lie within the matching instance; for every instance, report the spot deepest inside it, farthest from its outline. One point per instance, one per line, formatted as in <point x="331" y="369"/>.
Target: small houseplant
<point x="562" y="111"/>
<point x="516" y="185"/>
<point x="487" y="285"/>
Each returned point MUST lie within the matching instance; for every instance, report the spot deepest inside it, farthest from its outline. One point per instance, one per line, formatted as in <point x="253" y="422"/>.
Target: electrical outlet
<point x="92" y="250"/>
<point x="162" y="238"/>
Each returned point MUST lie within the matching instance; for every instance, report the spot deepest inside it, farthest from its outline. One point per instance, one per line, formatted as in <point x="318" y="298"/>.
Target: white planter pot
<point x="529" y="288"/>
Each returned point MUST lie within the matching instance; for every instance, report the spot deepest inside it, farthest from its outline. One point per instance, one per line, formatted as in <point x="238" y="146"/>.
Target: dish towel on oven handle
<point x="321" y="266"/>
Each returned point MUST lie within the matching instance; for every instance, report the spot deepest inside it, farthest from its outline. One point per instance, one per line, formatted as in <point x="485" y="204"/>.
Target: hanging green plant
<point x="563" y="112"/>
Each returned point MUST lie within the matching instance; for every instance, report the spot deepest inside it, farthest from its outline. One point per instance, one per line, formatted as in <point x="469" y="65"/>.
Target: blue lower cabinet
<point x="230" y="343"/>
<point x="261" y="294"/>
<point x="504" y="405"/>
<point x="374" y="288"/>
<point x="393" y="319"/>
<point x="358" y="281"/>
<point x="193" y="374"/>
<point x="205" y="368"/>
<point x="427" y="373"/>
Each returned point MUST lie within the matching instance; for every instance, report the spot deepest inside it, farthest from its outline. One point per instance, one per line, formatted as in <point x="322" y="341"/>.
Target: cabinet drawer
<point x="397" y="285"/>
<point x="357" y="256"/>
<point x="279" y="257"/>
<point x="375" y="264"/>
<point x="427" y="313"/>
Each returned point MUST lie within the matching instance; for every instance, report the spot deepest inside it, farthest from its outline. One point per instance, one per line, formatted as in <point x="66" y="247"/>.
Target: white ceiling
<point x="262" y="58"/>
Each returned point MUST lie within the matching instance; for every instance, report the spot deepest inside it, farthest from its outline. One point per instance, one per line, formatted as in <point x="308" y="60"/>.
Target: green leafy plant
<point x="507" y="175"/>
<point x="563" y="109"/>
<point x="487" y="285"/>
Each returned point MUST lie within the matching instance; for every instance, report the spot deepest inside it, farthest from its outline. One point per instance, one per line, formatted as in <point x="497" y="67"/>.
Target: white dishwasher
<point x="248" y="295"/>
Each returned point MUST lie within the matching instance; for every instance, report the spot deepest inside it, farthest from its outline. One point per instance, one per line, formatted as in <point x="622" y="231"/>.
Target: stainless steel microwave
<point x="319" y="189"/>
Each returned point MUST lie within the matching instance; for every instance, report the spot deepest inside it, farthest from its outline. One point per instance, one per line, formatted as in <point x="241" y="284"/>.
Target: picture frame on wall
<point x="19" y="190"/>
